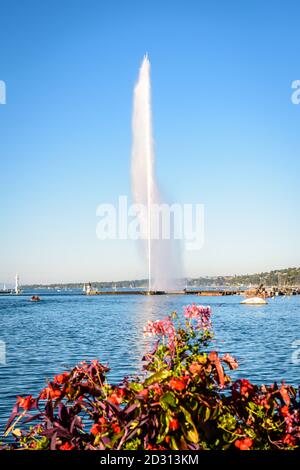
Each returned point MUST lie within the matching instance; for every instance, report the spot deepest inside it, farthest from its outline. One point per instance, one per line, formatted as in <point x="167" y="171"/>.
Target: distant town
<point x="278" y="278"/>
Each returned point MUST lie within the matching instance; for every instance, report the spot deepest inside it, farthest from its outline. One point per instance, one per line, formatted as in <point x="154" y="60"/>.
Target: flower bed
<point x="186" y="400"/>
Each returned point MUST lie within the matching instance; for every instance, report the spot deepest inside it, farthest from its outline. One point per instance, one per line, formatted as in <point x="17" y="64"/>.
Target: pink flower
<point x="291" y="419"/>
<point x="160" y="328"/>
<point x="163" y="328"/>
<point x="200" y="313"/>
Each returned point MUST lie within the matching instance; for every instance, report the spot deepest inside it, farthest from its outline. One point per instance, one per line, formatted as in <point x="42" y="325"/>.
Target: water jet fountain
<point x="162" y="264"/>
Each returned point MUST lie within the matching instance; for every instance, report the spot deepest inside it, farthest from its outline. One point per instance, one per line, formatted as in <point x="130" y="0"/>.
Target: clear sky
<point x="226" y="131"/>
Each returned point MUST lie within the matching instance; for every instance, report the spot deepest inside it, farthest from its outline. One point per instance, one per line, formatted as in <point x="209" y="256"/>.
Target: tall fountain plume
<point x="162" y="265"/>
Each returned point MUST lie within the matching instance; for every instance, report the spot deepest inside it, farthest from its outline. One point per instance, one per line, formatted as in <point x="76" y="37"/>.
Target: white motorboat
<point x="254" y="301"/>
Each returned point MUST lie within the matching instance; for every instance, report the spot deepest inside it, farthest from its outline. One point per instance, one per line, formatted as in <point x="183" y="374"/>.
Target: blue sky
<point x="226" y="132"/>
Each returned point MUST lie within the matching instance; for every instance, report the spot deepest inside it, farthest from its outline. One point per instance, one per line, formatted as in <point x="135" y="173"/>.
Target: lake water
<point x="48" y="337"/>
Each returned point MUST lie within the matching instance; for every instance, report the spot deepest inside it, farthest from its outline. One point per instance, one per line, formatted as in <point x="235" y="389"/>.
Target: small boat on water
<point x="256" y="296"/>
<point x="254" y="301"/>
<point x="35" y="298"/>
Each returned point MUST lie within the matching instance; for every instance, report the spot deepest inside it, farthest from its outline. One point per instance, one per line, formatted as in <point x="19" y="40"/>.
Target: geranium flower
<point x="289" y="440"/>
<point x="143" y="393"/>
<point x="174" y="424"/>
<point x="178" y="384"/>
<point x="96" y="429"/>
<point x="99" y="427"/>
<point x="117" y="396"/>
<point x="284" y="410"/>
<point x="245" y="387"/>
<point x="244" y="444"/>
<point x="67" y="446"/>
<point x="116" y="428"/>
<point x="155" y="447"/>
<point x="26" y="403"/>
<point x="61" y="378"/>
<point x="50" y="392"/>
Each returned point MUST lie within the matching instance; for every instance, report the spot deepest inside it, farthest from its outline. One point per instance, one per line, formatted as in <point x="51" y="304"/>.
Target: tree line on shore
<point x="279" y="278"/>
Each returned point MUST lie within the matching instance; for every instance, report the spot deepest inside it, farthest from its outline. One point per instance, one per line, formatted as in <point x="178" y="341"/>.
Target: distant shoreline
<point x="281" y="277"/>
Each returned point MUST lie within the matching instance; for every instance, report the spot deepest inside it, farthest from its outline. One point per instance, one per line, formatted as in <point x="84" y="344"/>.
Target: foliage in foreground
<point x="185" y="401"/>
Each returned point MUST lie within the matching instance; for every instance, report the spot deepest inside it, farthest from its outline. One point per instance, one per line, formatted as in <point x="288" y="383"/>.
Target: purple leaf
<point x="131" y="408"/>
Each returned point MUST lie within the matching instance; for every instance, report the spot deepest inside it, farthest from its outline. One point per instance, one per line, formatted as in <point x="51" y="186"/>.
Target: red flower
<point x="157" y="389"/>
<point x="284" y="410"/>
<point x="116" y="428"/>
<point x="61" y="378"/>
<point x="178" y="384"/>
<point x="144" y="393"/>
<point x="115" y="399"/>
<point x="99" y="427"/>
<point x="245" y="387"/>
<point x="155" y="447"/>
<point x="25" y="403"/>
<point x="95" y="429"/>
<point x="117" y="396"/>
<point x="289" y="440"/>
<point x="173" y="424"/>
<point x="50" y="392"/>
<point x="244" y="444"/>
<point x="66" y="446"/>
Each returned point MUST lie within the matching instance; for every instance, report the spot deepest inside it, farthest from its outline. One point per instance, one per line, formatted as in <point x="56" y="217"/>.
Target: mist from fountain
<point x="164" y="267"/>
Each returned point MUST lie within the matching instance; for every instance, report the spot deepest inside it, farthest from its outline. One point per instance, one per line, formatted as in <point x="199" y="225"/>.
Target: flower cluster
<point x="200" y="313"/>
<point x="163" y="328"/>
<point x="186" y="401"/>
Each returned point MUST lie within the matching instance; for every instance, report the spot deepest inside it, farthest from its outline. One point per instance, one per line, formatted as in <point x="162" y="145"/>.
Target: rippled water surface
<point x="47" y="337"/>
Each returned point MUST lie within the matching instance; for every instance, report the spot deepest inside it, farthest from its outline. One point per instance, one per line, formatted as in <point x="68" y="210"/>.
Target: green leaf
<point x="136" y="387"/>
<point x="164" y="429"/>
<point x="189" y="429"/>
<point x="158" y="377"/>
<point x="169" y="400"/>
<point x="207" y="414"/>
<point x="174" y="445"/>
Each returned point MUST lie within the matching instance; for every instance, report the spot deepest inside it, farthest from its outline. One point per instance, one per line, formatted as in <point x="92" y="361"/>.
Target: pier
<point x="176" y="292"/>
<point x="270" y="292"/>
